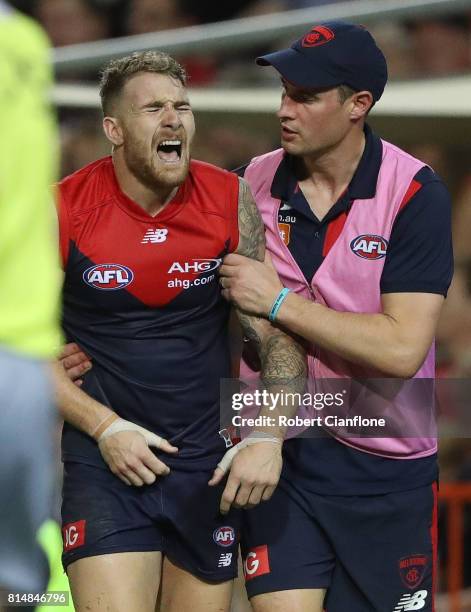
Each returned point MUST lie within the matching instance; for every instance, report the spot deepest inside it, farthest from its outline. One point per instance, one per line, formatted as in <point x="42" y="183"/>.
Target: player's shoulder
<point x="87" y="187"/>
<point x="200" y="169"/>
<point x="211" y="179"/>
<point x="89" y="173"/>
<point x="213" y="189"/>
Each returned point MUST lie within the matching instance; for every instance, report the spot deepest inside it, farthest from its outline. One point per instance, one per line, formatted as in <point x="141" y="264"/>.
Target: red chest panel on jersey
<point x="118" y="247"/>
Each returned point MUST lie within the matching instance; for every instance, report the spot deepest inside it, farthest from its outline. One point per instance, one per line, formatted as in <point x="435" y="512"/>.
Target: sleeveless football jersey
<point x="141" y="297"/>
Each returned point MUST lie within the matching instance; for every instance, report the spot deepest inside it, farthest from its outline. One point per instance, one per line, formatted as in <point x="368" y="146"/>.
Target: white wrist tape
<point x="254" y="438"/>
<point x="152" y="439"/>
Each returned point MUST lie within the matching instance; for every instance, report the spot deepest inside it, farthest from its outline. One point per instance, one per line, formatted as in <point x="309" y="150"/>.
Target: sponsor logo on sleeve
<point x="256" y="562"/>
<point x="108" y="277"/>
<point x="73" y="535"/>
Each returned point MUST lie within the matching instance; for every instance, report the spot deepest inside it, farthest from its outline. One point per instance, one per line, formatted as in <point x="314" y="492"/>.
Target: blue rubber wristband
<point x="277" y="303"/>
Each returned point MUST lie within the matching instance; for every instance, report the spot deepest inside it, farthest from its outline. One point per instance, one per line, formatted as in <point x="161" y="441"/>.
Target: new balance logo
<point x="225" y="560"/>
<point x="411" y="601"/>
<point x="155" y="235"/>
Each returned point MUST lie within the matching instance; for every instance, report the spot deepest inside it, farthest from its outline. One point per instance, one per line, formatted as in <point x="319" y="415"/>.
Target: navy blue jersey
<point x="141" y="297"/>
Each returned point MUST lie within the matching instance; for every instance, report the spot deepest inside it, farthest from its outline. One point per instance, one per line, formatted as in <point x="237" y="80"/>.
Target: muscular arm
<point x="124" y="446"/>
<point x="75" y="406"/>
<point x="395" y="341"/>
<point x="255" y="469"/>
<point x="282" y="359"/>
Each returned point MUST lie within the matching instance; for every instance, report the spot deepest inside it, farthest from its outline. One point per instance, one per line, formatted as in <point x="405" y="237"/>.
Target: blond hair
<point x="116" y="74"/>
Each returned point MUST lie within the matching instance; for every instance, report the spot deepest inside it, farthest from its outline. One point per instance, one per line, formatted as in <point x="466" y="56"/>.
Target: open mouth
<point x="170" y="151"/>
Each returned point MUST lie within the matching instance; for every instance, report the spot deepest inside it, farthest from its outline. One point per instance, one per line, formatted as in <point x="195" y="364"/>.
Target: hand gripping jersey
<point x="348" y="280"/>
<point x="141" y="297"/>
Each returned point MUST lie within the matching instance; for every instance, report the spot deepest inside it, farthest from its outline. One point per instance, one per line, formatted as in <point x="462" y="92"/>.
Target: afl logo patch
<point x="224" y="536"/>
<point x="369" y="246"/>
<point x="108" y="277"/>
<point x="319" y="35"/>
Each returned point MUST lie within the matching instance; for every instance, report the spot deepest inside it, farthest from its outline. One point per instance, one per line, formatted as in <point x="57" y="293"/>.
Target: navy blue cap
<point x="330" y="54"/>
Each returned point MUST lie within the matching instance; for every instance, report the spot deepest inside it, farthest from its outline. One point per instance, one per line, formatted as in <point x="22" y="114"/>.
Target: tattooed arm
<point x="255" y="468"/>
<point x="282" y="359"/>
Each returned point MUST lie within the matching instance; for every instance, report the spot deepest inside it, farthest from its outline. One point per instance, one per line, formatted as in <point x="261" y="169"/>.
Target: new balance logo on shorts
<point x="411" y="601"/>
<point x="225" y="560"/>
<point x="73" y="535"/>
<point x="256" y="562"/>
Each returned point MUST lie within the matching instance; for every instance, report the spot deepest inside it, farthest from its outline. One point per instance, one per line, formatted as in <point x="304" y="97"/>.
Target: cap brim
<point x="296" y="69"/>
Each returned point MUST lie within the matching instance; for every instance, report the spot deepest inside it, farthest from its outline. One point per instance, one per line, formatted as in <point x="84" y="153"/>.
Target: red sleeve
<point x="64" y="225"/>
<point x="233" y="210"/>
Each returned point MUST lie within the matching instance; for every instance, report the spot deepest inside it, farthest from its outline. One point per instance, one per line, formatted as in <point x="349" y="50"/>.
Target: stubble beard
<point x="154" y="178"/>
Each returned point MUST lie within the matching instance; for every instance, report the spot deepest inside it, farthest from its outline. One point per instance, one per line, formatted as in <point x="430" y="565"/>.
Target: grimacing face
<point x="157" y="126"/>
<point x="312" y="121"/>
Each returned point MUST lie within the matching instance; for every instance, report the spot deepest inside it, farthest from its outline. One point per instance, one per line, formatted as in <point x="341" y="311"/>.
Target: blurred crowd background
<point x="438" y="46"/>
<point x="423" y="48"/>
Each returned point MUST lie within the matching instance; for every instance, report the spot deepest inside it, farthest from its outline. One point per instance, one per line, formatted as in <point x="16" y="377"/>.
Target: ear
<point x="113" y="130"/>
<point x="362" y="101"/>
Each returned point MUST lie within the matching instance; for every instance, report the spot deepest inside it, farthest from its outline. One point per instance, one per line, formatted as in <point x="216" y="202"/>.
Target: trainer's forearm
<point x="372" y="340"/>
<point x="75" y="406"/>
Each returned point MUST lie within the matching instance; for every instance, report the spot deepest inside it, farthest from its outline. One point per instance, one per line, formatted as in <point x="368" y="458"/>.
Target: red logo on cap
<point x="319" y="35"/>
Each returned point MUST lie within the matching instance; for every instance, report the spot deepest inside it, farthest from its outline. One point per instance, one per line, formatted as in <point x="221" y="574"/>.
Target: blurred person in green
<point x="30" y="283"/>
